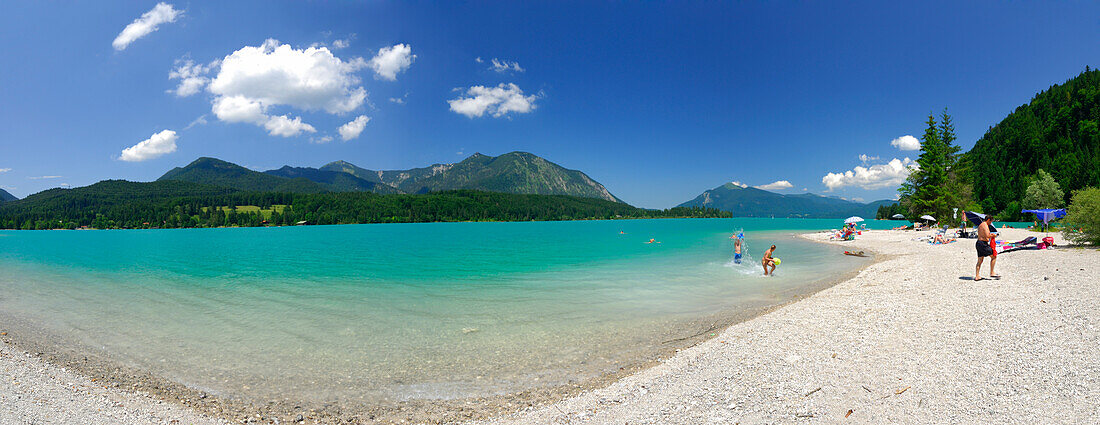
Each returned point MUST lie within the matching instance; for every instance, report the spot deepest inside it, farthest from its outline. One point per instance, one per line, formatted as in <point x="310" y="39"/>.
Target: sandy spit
<point x="911" y="339"/>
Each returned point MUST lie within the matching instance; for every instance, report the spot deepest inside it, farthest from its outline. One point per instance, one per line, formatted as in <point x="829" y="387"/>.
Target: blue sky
<point x="658" y="101"/>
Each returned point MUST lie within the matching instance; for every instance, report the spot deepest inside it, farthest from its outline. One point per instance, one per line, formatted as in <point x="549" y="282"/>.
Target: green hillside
<point x="5" y="196"/>
<point x="336" y="181"/>
<point x="180" y="204"/>
<point x="215" y="172"/>
<point x="753" y="202"/>
<point x="1058" y="131"/>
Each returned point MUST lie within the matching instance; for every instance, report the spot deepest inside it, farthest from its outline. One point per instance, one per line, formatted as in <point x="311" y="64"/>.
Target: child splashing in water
<point x="738" y="240"/>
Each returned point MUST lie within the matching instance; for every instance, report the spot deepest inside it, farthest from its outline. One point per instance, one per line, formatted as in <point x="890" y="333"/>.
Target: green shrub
<point x="1083" y="217"/>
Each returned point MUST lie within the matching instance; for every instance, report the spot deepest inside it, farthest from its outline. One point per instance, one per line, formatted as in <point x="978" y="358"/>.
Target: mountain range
<point x="515" y="172"/>
<point x="753" y="202"/>
<point x="5" y="196"/>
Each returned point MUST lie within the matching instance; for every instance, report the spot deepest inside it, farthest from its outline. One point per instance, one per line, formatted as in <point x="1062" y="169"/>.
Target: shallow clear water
<point x="399" y="311"/>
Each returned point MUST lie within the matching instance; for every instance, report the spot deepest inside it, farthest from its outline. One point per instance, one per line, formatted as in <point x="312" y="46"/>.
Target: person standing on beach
<point x="768" y="261"/>
<point x="986" y="248"/>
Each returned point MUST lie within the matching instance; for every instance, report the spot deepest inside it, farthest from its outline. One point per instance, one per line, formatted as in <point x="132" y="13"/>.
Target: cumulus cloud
<point x="503" y="66"/>
<point x="341" y="44"/>
<point x="777" y="185"/>
<point x="321" y="140"/>
<point x="737" y="183"/>
<point x="352" y="129"/>
<point x="192" y="76"/>
<point x="285" y="126"/>
<point x="278" y="74"/>
<point x="148" y="22"/>
<point x="865" y="159"/>
<point x="906" y="143"/>
<point x="873" y="177"/>
<point x="391" y="60"/>
<point x="255" y="79"/>
<point x="496" y="101"/>
<point x="399" y="100"/>
<point x="157" y="145"/>
<point x="239" y="109"/>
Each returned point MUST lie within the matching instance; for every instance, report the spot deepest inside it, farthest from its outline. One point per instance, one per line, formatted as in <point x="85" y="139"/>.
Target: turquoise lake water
<point x="400" y="311"/>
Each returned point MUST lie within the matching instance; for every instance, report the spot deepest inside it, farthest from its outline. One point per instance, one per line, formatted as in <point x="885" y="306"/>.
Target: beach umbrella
<point x="927" y="217"/>
<point x="897" y="216"/>
<point x="853" y="219"/>
<point x="977" y="219"/>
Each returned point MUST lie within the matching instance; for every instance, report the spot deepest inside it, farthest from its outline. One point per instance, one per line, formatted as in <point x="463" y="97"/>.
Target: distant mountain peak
<point x="747" y="201"/>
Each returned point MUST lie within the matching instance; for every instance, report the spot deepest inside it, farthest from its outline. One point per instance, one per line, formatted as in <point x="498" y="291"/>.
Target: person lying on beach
<point x="768" y="261"/>
<point x="986" y="248"/>
<point x="942" y="240"/>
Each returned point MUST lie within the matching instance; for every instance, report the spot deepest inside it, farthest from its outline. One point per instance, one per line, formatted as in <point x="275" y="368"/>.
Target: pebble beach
<point x="909" y="339"/>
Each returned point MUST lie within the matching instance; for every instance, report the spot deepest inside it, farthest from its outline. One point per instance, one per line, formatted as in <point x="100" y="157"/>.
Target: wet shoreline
<point x="112" y="373"/>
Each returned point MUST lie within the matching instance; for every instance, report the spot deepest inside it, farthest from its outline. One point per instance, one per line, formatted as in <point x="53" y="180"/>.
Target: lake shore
<point x="905" y="339"/>
<point x="911" y="339"/>
<point x="97" y="367"/>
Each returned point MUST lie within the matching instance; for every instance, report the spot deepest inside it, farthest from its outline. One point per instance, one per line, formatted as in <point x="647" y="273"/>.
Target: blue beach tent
<point x="1047" y="215"/>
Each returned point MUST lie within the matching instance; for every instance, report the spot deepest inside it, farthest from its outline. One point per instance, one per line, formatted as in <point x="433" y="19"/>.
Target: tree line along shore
<point x="117" y="204"/>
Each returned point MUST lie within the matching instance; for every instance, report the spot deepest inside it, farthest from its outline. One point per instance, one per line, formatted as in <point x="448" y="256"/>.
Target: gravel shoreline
<point x="904" y="340"/>
<point x="911" y="339"/>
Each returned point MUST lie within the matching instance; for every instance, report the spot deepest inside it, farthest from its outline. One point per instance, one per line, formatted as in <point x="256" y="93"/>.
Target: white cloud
<point x="352" y="129"/>
<point x="4" y="170"/>
<point x="503" y="66"/>
<point x="157" y="145"/>
<point x="864" y="158"/>
<point x="341" y="44"/>
<point x="201" y="120"/>
<point x="496" y="101"/>
<point x="478" y="59"/>
<point x="873" y="177"/>
<point x="737" y="183"/>
<point x="272" y="74"/>
<point x="44" y="177"/>
<point x="391" y="60"/>
<point x="906" y="143"/>
<point x="284" y="126"/>
<point x="255" y="79"/>
<point x="321" y="140"/>
<point x="777" y="185"/>
<point x="399" y="100"/>
<point x="147" y="23"/>
<point x="239" y="109"/>
<point x="192" y="76"/>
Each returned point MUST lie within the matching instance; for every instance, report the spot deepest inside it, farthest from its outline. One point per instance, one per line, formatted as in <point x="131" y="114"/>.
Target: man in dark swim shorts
<point x="984" y="246"/>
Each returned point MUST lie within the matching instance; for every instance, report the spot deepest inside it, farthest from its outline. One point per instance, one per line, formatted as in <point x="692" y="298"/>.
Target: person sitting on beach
<point x="986" y="248"/>
<point x="768" y="261"/>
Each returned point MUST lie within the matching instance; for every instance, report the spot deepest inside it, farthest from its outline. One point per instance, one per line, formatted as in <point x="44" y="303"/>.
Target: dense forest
<point x="1057" y="132"/>
<point x="178" y="204"/>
